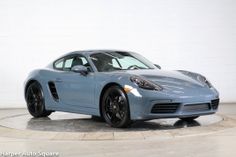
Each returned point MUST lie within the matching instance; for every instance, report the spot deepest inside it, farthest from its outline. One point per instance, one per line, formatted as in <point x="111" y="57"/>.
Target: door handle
<point x="58" y="80"/>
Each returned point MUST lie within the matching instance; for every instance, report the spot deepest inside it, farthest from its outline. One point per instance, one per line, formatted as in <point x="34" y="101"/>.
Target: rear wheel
<point x="115" y="107"/>
<point x="189" y="118"/>
<point x="35" y="101"/>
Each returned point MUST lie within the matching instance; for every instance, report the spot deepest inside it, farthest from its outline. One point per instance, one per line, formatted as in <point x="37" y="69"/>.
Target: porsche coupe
<point x="119" y="87"/>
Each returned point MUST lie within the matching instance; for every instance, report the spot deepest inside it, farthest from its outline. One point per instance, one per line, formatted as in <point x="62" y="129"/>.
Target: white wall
<point x="196" y="35"/>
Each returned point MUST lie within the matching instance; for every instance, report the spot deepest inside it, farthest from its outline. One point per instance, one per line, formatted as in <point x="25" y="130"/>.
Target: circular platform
<point x="67" y="122"/>
<point x="67" y="126"/>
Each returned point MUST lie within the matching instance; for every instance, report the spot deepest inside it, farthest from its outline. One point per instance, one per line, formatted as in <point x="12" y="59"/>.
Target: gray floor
<point x="212" y="136"/>
<point x="68" y="122"/>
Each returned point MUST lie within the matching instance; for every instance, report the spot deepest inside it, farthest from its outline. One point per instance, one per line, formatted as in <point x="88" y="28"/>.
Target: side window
<point x="68" y="64"/>
<point x="59" y="64"/>
<point x="80" y="60"/>
<point x="84" y="60"/>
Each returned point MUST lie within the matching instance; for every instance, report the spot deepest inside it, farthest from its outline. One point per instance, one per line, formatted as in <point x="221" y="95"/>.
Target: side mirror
<point x="158" y="66"/>
<point x="80" y="69"/>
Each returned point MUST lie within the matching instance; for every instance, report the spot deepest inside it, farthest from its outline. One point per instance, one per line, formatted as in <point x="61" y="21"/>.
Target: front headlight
<point x="204" y="81"/>
<point x="145" y="84"/>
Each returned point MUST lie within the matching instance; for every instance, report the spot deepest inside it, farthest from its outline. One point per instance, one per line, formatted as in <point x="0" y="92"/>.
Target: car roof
<point x="85" y="52"/>
<point x="89" y="52"/>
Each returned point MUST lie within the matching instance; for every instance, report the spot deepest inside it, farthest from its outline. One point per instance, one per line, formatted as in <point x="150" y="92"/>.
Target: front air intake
<point x="215" y="104"/>
<point x="200" y="107"/>
<point x="165" y="108"/>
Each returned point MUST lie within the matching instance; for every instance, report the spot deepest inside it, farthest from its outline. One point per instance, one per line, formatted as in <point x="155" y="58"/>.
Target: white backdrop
<point x="196" y="35"/>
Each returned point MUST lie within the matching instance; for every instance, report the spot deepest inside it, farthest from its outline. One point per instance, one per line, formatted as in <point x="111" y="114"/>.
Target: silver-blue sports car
<point x="119" y="87"/>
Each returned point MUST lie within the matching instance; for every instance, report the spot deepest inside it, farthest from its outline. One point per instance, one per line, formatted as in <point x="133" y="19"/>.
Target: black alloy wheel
<point x="35" y="101"/>
<point x="115" y="107"/>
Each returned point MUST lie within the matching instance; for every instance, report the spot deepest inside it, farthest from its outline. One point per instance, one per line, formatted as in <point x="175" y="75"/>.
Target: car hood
<point x="169" y="79"/>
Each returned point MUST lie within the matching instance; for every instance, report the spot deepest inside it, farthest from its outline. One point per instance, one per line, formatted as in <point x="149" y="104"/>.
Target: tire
<point x="35" y="101"/>
<point x="98" y="118"/>
<point x="189" y="118"/>
<point x="115" y="107"/>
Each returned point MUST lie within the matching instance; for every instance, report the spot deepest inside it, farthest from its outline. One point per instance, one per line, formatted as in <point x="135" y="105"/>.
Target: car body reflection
<point x="94" y="125"/>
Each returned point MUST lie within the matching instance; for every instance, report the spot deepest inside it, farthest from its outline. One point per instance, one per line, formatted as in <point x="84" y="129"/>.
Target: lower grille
<point x="196" y="107"/>
<point x="215" y="104"/>
<point x="165" y="108"/>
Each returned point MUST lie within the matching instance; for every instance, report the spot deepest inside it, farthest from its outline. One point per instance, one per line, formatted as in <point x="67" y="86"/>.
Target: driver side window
<point x="68" y="64"/>
<point x="65" y="64"/>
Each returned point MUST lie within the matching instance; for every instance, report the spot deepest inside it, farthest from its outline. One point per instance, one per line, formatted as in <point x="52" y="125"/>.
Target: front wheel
<point x="189" y="118"/>
<point x="97" y="118"/>
<point x="35" y="101"/>
<point x="115" y="107"/>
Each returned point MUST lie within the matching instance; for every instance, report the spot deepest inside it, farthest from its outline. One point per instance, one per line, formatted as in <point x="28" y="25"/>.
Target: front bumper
<point x="159" y="104"/>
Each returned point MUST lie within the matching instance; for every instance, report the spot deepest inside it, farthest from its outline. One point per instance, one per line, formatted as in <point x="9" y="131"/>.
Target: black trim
<point x="165" y="108"/>
<point x="215" y="104"/>
<point x="53" y="90"/>
<point x="199" y="107"/>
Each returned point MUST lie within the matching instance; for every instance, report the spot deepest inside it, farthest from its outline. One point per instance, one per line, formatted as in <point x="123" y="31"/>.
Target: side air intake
<point x="53" y="90"/>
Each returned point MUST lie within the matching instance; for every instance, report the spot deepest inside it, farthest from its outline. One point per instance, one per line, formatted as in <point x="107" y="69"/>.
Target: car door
<point x="74" y="89"/>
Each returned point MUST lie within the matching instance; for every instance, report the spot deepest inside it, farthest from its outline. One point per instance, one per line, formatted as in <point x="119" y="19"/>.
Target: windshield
<point x="111" y="61"/>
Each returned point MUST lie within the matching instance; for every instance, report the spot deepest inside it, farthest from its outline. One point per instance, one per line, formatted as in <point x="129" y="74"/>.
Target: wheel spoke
<point x="36" y="107"/>
<point x="108" y="104"/>
<point x="113" y="118"/>
<point x="30" y="99"/>
<point x="122" y="114"/>
<point x="120" y="100"/>
<point x="118" y="116"/>
<point x="31" y="91"/>
<point x="31" y="102"/>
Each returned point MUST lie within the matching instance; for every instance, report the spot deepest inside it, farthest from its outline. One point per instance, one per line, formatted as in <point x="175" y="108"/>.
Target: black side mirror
<point x="80" y="69"/>
<point x="158" y="66"/>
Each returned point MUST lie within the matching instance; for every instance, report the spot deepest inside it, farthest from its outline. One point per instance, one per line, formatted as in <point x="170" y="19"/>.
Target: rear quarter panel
<point x="43" y="76"/>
